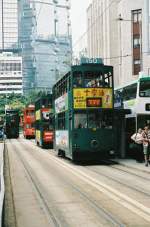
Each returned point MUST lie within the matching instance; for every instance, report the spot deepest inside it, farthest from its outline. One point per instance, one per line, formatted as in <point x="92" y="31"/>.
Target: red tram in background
<point x="29" y="122"/>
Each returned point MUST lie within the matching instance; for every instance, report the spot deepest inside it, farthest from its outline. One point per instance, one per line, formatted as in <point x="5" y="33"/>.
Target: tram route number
<point x="91" y="61"/>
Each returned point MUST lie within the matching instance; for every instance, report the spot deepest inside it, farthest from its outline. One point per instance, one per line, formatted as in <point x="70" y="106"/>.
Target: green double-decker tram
<point x="83" y="108"/>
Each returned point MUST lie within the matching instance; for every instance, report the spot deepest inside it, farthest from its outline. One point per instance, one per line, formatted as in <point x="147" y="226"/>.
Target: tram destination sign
<point x="91" y="61"/>
<point x="94" y="102"/>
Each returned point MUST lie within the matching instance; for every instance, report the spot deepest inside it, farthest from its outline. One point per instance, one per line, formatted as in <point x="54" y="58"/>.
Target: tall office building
<point x="10" y="74"/>
<point x="8" y="25"/>
<point x="45" y="40"/>
<point x="10" y="62"/>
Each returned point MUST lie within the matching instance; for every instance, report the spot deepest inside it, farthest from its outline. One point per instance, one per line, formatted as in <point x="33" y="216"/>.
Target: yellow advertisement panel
<point x="38" y="115"/>
<point x="38" y="135"/>
<point x="93" y="98"/>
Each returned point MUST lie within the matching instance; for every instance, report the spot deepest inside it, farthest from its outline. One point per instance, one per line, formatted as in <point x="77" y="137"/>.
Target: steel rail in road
<point x="53" y="220"/>
<point x="120" y="182"/>
<point x="113" y="162"/>
<point x="124" y="200"/>
<point x="129" y="170"/>
<point x="100" y="210"/>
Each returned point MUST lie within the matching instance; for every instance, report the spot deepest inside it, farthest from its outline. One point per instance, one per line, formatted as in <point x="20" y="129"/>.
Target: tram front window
<point x="80" y="120"/>
<point x="93" y="120"/>
<point x="93" y="79"/>
<point x="100" y="120"/>
<point x="77" y="79"/>
<point x="145" y="88"/>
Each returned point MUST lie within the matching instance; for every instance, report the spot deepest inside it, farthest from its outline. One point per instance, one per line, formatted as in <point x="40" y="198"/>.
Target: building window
<point x="136" y="42"/>
<point x="137" y="62"/>
<point x="136" y="66"/>
<point x="137" y="15"/>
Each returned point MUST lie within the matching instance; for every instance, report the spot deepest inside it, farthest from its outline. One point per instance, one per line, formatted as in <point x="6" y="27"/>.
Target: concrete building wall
<point x="102" y="32"/>
<point x="10" y="74"/>
<point x="112" y="39"/>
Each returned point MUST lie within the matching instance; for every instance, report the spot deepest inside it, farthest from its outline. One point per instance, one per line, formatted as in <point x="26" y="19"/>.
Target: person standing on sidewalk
<point x="146" y="145"/>
<point x="138" y="140"/>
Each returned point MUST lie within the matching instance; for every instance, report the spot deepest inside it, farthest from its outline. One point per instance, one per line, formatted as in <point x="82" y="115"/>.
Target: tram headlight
<point x="94" y="143"/>
<point x="112" y="152"/>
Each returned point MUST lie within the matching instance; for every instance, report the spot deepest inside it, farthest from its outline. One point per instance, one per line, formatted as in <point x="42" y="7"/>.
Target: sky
<point x="78" y="17"/>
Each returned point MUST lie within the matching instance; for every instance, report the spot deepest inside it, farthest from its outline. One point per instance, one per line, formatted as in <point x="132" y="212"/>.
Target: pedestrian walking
<point x="146" y="145"/>
<point x="138" y="145"/>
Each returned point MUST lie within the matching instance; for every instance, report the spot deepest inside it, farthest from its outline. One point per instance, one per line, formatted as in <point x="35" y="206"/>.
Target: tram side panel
<point x="29" y="122"/>
<point x="43" y="125"/>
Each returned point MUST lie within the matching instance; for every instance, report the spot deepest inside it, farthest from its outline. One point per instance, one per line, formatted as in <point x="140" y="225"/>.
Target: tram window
<point x="100" y="120"/>
<point x="108" y="78"/>
<point x="30" y="113"/>
<point x="106" y="82"/>
<point x="61" y="121"/>
<point x="93" y="120"/>
<point x="93" y="79"/>
<point x="28" y="126"/>
<point x="107" y="121"/>
<point x="46" y="127"/>
<point x="80" y="120"/>
<point x="145" y="88"/>
<point x="77" y="79"/>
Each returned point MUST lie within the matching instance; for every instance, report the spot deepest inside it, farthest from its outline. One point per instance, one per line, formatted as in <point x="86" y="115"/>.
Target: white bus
<point x="136" y="97"/>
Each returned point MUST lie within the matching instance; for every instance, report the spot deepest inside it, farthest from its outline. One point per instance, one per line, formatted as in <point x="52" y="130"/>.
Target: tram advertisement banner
<point x="38" y="115"/>
<point x="93" y="98"/>
<point x="61" y="104"/>
<point x="62" y="139"/>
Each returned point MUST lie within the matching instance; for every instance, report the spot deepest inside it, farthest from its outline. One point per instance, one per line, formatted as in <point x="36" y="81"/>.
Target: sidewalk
<point x="131" y="163"/>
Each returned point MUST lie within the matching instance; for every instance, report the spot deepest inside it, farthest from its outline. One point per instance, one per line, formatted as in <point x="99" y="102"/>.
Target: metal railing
<point x="2" y="186"/>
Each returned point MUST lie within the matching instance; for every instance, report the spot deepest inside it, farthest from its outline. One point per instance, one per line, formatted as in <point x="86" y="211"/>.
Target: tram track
<point x="127" y="167"/>
<point x="120" y="182"/>
<point x="100" y="210"/>
<point x="122" y="199"/>
<point x="53" y="221"/>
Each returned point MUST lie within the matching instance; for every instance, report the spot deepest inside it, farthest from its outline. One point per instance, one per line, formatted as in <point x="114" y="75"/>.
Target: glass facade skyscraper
<point x="45" y="40"/>
<point x="8" y="25"/>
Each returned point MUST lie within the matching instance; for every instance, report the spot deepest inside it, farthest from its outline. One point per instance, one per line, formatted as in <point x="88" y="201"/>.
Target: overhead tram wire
<point x="94" y="22"/>
<point x="124" y="56"/>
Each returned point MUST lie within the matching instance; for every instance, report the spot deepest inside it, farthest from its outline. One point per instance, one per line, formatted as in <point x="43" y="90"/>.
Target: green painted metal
<point x="84" y="143"/>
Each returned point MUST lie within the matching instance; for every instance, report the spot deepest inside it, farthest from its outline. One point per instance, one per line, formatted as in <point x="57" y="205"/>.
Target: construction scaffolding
<point x="45" y="40"/>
